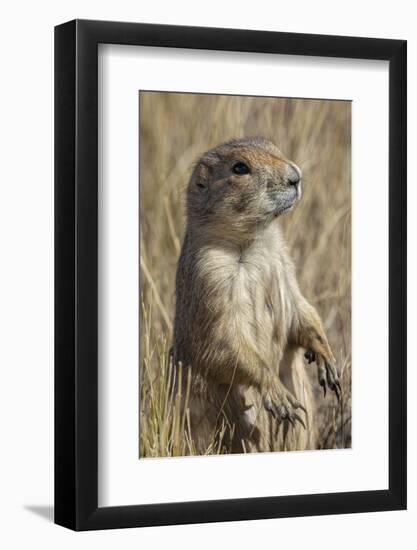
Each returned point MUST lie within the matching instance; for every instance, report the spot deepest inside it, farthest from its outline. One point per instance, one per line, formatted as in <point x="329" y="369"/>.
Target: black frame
<point x="76" y="270"/>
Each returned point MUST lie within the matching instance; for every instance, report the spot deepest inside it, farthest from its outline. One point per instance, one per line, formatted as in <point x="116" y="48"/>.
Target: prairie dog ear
<point x="200" y="177"/>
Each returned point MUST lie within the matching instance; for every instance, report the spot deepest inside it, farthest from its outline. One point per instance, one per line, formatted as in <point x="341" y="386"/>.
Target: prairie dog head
<point x="240" y="185"/>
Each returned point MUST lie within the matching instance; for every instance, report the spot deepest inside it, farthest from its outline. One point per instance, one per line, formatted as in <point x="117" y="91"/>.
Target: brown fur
<point x="241" y="323"/>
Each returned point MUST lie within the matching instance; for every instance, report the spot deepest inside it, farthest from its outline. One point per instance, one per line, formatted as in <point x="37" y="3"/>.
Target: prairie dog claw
<point x="283" y="408"/>
<point x="332" y="379"/>
<point x="310" y="356"/>
<point x="326" y="373"/>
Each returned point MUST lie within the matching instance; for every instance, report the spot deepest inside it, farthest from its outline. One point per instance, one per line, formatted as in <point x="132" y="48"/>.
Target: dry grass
<point x="174" y="130"/>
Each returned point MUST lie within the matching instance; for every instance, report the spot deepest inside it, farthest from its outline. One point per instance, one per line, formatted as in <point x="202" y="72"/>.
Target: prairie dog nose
<point x="294" y="174"/>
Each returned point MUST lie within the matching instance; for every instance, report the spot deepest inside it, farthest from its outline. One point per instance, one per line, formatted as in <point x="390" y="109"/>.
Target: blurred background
<point x="175" y="129"/>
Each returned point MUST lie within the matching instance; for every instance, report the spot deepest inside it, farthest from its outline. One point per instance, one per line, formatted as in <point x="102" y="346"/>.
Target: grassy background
<point x="174" y="130"/>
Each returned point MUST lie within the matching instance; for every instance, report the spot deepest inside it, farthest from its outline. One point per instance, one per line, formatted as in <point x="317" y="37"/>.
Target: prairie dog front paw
<point x="326" y="372"/>
<point x="282" y="405"/>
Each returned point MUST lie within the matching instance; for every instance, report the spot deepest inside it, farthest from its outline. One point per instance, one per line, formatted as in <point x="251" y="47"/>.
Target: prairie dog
<point x="242" y="325"/>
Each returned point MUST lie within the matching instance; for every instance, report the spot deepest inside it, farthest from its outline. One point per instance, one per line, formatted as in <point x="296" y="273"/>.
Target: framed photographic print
<point x="230" y="252"/>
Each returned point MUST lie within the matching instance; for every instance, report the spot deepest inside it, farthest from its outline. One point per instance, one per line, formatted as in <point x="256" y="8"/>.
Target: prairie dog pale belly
<point x="253" y="296"/>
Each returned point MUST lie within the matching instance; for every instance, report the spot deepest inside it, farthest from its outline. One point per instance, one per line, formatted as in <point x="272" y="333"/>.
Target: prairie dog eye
<point x="240" y="169"/>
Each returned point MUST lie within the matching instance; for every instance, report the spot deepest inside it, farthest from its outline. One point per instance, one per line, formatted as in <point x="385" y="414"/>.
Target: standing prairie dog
<point x="242" y="326"/>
